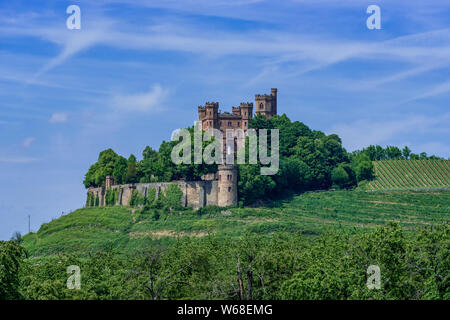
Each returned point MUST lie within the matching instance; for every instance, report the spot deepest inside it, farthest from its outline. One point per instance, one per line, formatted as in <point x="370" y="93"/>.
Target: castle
<point x="214" y="189"/>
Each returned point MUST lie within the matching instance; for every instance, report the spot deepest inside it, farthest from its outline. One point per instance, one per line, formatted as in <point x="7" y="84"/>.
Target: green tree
<point x="340" y="177"/>
<point x="365" y="171"/>
<point x="11" y="260"/>
<point x="172" y="197"/>
<point x="406" y="152"/>
<point x="132" y="170"/>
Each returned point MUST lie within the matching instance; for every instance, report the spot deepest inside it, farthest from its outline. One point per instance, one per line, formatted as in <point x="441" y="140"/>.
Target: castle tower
<point x="210" y="119"/>
<point x="266" y="104"/>
<point x="246" y="114"/>
<point x="227" y="184"/>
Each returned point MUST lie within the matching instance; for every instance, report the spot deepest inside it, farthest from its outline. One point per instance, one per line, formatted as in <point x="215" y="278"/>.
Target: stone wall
<point x="196" y="194"/>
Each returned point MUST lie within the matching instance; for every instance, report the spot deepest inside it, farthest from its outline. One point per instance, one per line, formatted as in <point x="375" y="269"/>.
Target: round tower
<point x="227" y="184"/>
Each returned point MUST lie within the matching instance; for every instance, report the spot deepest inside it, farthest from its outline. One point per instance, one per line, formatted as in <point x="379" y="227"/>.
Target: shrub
<point x="340" y="177"/>
<point x="365" y="171"/>
<point x="172" y="197"/>
<point x="134" y="197"/>
<point x="209" y="210"/>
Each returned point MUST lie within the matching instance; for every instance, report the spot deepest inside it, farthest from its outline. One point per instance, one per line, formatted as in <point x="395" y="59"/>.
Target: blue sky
<point x="137" y="70"/>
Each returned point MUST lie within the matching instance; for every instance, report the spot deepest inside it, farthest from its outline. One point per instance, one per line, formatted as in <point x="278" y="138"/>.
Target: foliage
<point x="172" y="197"/>
<point x="17" y="237"/>
<point x="11" y="260"/>
<point x="284" y="265"/>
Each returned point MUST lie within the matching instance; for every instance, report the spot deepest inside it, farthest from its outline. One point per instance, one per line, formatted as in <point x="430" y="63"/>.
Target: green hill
<point x="93" y="229"/>
<point x="411" y="174"/>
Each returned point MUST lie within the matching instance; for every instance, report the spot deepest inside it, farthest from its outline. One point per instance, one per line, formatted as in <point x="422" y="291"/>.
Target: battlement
<point x="212" y="104"/>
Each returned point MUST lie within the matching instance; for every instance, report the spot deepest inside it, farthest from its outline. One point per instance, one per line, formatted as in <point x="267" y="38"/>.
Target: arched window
<point x="261" y="106"/>
<point x="229" y="189"/>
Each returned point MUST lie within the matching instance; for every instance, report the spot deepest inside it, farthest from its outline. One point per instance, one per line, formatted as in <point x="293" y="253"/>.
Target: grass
<point x="411" y="174"/>
<point x="91" y="229"/>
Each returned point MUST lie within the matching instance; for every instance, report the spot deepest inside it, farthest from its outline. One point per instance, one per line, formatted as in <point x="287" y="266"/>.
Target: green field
<point x="94" y="229"/>
<point x="410" y="174"/>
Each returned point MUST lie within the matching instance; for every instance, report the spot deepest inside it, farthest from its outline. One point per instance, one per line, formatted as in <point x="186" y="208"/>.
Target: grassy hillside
<point x="410" y="174"/>
<point x="92" y="229"/>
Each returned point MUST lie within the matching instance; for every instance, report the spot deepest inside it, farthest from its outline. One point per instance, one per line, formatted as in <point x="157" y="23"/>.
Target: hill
<point x="410" y="174"/>
<point x="127" y="229"/>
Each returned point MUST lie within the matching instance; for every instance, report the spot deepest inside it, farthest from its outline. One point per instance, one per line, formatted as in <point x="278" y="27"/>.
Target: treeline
<point x="282" y="266"/>
<point x="376" y="153"/>
<point x="156" y="166"/>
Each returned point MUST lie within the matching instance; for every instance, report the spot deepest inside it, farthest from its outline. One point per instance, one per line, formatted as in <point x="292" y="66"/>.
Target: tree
<point x="132" y="172"/>
<point x="365" y="171"/>
<point x="17" y="237"/>
<point x="11" y="260"/>
<point x="120" y="170"/>
<point x="339" y="177"/>
<point x="406" y="152"/>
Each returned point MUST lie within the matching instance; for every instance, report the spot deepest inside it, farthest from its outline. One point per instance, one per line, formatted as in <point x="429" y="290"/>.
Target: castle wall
<point x="196" y="194"/>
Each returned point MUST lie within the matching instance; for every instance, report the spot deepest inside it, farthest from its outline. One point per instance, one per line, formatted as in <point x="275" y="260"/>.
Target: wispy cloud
<point x="13" y="159"/>
<point x="28" y="141"/>
<point x="58" y="118"/>
<point x="151" y="100"/>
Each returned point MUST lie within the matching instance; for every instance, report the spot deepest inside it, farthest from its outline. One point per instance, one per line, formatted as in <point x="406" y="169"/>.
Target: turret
<point x="227" y="184"/>
<point x="210" y="119"/>
<point x="266" y="104"/>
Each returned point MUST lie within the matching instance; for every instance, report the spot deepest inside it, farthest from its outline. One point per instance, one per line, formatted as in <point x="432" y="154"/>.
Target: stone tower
<point x="227" y="185"/>
<point x="266" y="104"/>
<point x="208" y="115"/>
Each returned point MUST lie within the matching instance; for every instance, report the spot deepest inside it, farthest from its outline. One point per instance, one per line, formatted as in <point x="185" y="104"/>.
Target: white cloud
<point x="12" y="159"/>
<point x="141" y="102"/>
<point x="28" y="141"/>
<point x="58" y="118"/>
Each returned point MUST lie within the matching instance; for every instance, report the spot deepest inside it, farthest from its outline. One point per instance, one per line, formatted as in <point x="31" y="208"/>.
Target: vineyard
<point x="410" y="174"/>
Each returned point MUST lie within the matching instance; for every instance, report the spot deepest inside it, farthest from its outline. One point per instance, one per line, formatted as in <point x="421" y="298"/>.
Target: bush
<point x="172" y="197"/>
<point x="365" y="171"/>
<point x="340" y="177"/>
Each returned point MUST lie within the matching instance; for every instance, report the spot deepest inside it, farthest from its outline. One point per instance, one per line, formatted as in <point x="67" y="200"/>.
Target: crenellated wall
<point x="196" y="194"/>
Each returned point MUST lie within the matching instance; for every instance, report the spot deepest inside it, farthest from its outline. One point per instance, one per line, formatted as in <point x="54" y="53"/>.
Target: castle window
<point x="261" y="106"/>
<point x="239" y="124"/>
<point x="229" y="123"/>
<point x="220" y="123"/>
<point x="245" y="112"/>
<point x="229" y="189"/>
<point x="245" y="123"/>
